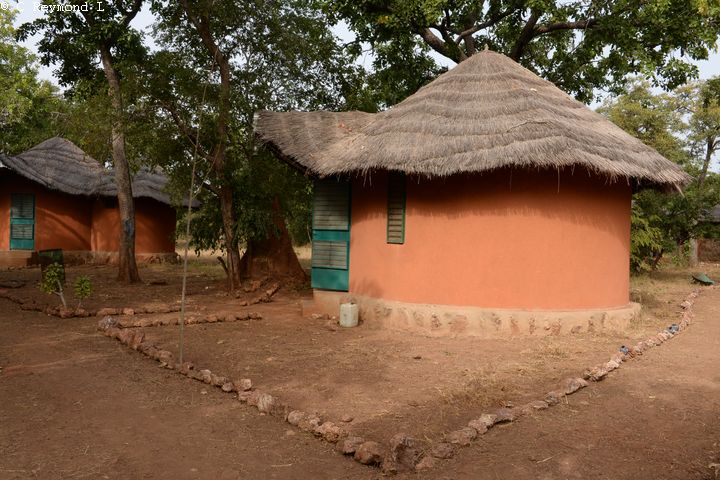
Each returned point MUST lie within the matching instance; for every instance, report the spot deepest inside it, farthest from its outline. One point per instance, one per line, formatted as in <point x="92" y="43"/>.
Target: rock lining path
<point x="119" y="416"/>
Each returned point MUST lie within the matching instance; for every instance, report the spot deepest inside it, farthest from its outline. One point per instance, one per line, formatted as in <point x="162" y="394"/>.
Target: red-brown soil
<point x="77" y="405"/>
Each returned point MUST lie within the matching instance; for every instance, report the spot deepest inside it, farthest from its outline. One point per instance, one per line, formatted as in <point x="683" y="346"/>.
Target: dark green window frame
<point x="396" y="199"/>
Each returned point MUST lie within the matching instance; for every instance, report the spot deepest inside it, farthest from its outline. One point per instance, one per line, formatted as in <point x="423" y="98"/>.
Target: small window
<point x="396" y="208"/>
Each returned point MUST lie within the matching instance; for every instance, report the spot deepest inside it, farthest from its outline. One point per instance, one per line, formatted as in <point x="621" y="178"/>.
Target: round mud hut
<point x="56" y="197"/>
<point x="488" y="203"/>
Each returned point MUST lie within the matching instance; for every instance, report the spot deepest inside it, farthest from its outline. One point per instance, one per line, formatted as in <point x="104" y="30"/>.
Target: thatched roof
<point x="486" y="113"/>
<point x="59" y="164"/>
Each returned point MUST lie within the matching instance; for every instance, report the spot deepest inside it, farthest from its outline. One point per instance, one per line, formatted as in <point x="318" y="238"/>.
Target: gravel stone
<point x="572" y="385"/>
<point x="442" y="450"/>
<point x="404" y="452"/>
<point x="348" y="445"/>
<point x="369" y="453"/>
<point x="462" y="437"/>
<point x="295" y="417"/>
<point x="478" y="425"/>
<point x="427" y="463"/>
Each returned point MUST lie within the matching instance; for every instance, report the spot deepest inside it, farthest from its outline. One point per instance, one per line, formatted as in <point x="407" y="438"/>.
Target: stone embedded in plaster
<point x="459" y="324"/>
<point x="531" y="325"/>
<point x="514" y="326"/>
<point x="440" y="320"/>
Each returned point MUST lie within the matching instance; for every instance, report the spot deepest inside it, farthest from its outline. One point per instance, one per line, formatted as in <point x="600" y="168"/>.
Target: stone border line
<point x="63" y="312"/>
<point x="268" y="404"/>
<point x="403" y="453"/>
<point x="190" y="320"/>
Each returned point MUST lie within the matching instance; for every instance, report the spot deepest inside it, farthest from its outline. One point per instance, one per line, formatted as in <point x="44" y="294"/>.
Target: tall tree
<point x="27" y="104"/>
<point x="678" y="125"/>
<point x="580" y="45"/>
<point x="702" y="103"/>
<point x="233" y="59"/>
<point x="76" y="36"/>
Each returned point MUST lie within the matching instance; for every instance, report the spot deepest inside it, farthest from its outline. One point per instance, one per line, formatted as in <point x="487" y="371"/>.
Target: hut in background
<point x="55" y="196"/>
<point x="488" y="202"/>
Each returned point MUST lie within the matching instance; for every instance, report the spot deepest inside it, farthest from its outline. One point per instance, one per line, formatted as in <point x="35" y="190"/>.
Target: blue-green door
<point x="22" y="221"/>
<point x="331" y="235"/>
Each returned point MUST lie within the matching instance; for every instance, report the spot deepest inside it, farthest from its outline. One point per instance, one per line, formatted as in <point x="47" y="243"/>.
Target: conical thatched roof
<point x="486" y="113"/>
<point x="59" y="164"/>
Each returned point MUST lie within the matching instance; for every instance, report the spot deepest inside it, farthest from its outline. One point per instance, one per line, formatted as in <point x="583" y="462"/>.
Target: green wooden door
<point x="22" y="221"/>
<point x="331" y="235"/>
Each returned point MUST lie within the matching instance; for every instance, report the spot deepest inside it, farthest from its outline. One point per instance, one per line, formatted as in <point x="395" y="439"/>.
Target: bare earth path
<point x="658" y="417"/>
<point x="76" y="405"/>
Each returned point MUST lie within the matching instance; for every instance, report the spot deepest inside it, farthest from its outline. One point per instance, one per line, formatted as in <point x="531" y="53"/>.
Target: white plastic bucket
<point x="348" y="315"/>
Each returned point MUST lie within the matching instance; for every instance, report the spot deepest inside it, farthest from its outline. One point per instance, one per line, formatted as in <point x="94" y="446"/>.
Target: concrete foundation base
<point x="448" y="320"/>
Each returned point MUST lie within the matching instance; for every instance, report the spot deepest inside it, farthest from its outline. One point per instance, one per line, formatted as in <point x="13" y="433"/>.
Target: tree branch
<point x="186" y="130"/>
<point x="438" y="44"/>
<point x="486" y="24"/>
<point x="578" y="25"/>
<point x="129" y="15"/>
<point x="526" y="35"/>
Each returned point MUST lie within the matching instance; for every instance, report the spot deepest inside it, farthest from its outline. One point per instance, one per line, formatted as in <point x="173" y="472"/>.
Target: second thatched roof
<point x="59" y="164"/>
<point x="488" y="112"/>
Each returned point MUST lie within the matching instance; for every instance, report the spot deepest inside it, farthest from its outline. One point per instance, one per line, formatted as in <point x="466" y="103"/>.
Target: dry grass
<point x="661" y="291"/>
<point x="485" y="386"/>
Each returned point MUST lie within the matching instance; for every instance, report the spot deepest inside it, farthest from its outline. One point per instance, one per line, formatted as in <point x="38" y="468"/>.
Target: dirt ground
<point x="77" y="405"/>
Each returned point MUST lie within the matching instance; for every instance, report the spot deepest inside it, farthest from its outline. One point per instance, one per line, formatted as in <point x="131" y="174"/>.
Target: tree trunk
<point x="127" y="266"/>
<point x="693" y="252"/>
<point x="273" y="256"/>
<point x="201" y="23"/>
<point x="228" y="220"/>
<point x="656" y="259"/>
<point x="709" y="150"/>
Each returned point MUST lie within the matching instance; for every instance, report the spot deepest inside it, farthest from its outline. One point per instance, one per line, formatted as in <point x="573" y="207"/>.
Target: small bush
<point x="52" y="281"/>
<point x="83" y="288"/>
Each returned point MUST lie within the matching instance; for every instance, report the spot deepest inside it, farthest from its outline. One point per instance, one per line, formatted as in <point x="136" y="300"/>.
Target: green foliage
<point x="680" y="126"/>
<point x="82" y="288"/>
<point x="71" y="42"/>
<point x="646" y="242"/>
<point x="580" y="46"/>
<point x="27" y="105"/>
<point x="283" y="56"/>
<point x="52" y="281"/>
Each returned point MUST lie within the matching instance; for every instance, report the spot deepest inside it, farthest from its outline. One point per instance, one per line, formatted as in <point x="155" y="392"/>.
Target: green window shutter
<point x="22" y="206"/>
<point x="21" y="231"/>
<point x="22" y="221"/>
<point x="329" y="254"/>
<point x="331" y="207"/>
<point x="396" y="208"/>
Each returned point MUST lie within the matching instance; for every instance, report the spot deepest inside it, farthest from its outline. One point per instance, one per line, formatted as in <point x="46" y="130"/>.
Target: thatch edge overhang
<point x="297" y="138"/>
<point x="58" y="164"/>
<point x="485" y="114"/>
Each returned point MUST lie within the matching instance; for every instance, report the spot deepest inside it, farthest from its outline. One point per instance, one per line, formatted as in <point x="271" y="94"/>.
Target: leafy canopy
<point x="580" y="45"/>
<point x="26" y="103"/>
<point x="680" y="126"/>
<point x="283" y="56"/>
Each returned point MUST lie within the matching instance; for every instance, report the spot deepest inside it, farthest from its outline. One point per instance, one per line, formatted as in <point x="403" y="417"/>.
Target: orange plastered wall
<point x="521" y="239"/>
<point x="61" y="220"/>
<point x="154" y="226"/>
